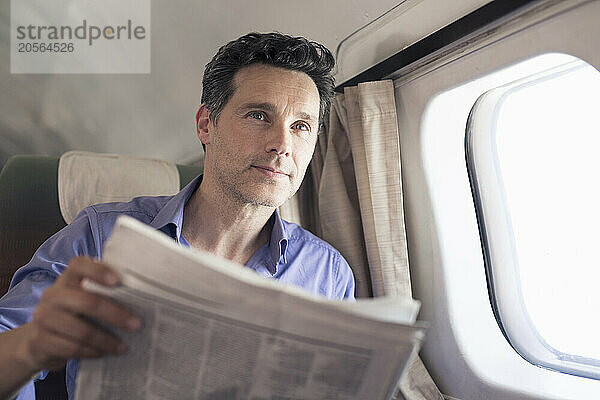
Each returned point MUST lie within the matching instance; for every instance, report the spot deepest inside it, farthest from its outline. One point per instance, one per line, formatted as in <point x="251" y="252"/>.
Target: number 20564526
<point x="45" y="47"/>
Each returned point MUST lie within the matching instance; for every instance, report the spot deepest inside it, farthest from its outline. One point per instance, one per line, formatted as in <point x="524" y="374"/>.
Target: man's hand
<point x="61" y="329"/>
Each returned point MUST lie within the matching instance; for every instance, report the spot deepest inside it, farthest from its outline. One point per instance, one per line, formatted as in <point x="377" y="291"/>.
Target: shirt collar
<point x="171" y="214"/>
<point x="278" y="242"/>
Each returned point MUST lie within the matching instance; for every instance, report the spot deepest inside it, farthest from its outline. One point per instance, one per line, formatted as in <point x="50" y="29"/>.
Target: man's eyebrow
<point x="259" y="106"/>
<point x="271" y="108"/>
<point x="306" y="116"/>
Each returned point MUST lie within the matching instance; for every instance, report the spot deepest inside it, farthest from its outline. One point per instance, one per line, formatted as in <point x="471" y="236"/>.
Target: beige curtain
<point x="352" y="198"/>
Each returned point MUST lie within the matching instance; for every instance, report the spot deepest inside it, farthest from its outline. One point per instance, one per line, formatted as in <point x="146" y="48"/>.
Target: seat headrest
<point x="86" y="178"/>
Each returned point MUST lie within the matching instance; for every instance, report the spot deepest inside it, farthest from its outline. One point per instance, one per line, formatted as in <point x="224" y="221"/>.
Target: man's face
<point x="263" y="141"/>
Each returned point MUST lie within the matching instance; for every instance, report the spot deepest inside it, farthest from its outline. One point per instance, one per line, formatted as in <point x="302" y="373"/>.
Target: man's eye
<point x="301" y="126"/>
<point x="257" y="115"/>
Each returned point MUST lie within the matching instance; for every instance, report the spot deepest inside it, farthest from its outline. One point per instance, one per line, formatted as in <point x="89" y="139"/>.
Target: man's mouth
<point x="270" y="171"/>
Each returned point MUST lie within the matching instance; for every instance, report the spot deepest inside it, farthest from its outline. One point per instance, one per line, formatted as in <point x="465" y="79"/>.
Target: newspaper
<point x="214" y="330"/>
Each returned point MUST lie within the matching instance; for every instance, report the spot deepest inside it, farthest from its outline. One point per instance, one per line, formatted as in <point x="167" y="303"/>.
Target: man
<point x="264" y="97"/>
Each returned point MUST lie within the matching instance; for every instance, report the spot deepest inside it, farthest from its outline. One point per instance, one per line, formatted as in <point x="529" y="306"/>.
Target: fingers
<point x="90" y="305"/>
<point x="62" y="327"/>
<point x="51" y="350"/>
<point x="87" y="303"/>
<point x="85" y="336"/>
<point x="84" y="267"/>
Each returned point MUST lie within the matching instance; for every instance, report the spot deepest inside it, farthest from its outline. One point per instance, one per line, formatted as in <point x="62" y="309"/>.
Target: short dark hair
<point x="275" y="49"/>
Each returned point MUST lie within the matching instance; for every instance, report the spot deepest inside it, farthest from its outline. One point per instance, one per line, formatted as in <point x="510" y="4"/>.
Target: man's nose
<point x="279" y="140"/>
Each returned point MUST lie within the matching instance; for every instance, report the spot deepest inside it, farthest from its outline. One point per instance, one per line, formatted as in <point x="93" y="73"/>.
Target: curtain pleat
<point x="373" y="133"/>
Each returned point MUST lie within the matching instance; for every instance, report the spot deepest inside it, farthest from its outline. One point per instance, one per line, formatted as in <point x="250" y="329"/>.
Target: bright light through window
<point x="548" y="147"/>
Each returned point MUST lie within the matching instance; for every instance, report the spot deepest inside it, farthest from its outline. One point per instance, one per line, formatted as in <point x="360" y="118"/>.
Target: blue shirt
<point x="292" y="255"/>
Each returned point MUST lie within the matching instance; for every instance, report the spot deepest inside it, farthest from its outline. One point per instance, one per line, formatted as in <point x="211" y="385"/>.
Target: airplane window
<point x="532" y="153"/>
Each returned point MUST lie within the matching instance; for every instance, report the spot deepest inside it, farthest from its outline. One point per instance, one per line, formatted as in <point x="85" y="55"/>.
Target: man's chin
<point x="268" y="201"/>
<point x="268" y="198"/>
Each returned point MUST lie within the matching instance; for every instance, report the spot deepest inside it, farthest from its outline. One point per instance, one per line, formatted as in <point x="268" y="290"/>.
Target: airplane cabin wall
<point x="465" y="350"/>
<point x="152" y="115"/>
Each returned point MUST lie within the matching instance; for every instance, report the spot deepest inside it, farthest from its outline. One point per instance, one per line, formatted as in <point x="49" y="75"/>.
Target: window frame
<point x="496" y="233"/>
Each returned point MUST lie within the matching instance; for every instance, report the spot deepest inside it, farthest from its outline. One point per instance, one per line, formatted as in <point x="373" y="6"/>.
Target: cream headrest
<point x="86" y="178"/>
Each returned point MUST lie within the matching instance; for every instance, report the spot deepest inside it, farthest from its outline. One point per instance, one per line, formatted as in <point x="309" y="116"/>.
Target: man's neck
<point x="222" y="226"/>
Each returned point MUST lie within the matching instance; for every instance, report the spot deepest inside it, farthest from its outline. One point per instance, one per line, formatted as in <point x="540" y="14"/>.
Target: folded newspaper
<point x="214" y="330"/>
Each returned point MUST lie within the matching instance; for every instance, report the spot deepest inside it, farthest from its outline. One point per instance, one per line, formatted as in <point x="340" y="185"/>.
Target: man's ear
<point x="202" y="123"/>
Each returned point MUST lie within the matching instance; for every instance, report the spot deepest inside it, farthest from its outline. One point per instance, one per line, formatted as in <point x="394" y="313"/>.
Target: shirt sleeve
<point x="345" y="281"/>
